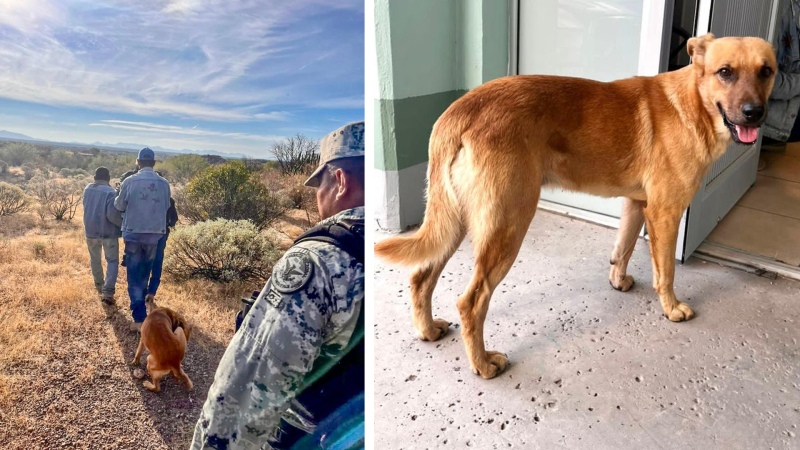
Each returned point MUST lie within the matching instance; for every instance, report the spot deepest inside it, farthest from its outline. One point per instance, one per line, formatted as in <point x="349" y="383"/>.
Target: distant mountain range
<point x="8" y="135"/>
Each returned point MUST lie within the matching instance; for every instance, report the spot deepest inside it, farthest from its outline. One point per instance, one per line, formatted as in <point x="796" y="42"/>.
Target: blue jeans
<point x="155" y="277"/>
<point x="139" y="262"/>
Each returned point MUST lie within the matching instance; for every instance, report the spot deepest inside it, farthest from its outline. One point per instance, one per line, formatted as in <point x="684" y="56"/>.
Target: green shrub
<point x="67" y="173"/>
<point x="3" y="167"/>
<point x="28" y="170"/>
<point x="12" y="199"/>
<point x="229" y="191"/>
<point x="219" y="250"/>
<point x="117" y="163"/>
<point x="18" y="153"/>
<point x="182" y="168"/>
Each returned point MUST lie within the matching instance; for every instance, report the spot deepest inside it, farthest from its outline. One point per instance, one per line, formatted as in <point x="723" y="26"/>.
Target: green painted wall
<point x="429" y="53"/>
<point x="411" y="120"/>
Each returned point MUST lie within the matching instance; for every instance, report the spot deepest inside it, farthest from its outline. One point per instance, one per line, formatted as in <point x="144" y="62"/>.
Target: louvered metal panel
<point x="737" y="18"/>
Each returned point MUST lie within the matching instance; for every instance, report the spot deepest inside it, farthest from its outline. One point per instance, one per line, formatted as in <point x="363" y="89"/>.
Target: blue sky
<point x="225" y="75"/>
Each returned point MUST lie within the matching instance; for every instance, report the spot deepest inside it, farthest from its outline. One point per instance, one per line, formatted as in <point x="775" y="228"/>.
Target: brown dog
<point x="648" y="139"/>
<point x="164" y="333"/>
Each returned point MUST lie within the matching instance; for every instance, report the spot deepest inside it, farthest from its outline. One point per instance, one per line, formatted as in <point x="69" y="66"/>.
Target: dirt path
<point x="85" y="396"/>
<point x="65" y="374"/>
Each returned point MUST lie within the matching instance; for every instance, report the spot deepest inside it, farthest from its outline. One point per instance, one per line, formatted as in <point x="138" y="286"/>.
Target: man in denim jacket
<point x="782" y="125"/>
<point x="101" y="222"/>
<point x="144" y="198"/>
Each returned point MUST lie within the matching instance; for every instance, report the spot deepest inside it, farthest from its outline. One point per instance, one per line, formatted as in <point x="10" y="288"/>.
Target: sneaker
<point x="108" y="300"/>
<point x="149" y="298"/>
<point x="136" y="326"/>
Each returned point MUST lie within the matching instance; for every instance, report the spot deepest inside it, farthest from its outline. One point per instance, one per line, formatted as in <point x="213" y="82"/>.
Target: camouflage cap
<point x="346" y="142"/>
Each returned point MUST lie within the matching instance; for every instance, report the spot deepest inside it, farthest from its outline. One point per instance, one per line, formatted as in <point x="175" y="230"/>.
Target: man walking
<point x="101" y="223"/>
<point x="172" y="220"/>
<point x="144" y="198"/>
<point x="307" y="318"/>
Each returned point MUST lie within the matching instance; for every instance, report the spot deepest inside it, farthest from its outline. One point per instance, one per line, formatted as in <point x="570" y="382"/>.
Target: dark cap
<point x="146" y="154"/>
<point x="102" y="174"/>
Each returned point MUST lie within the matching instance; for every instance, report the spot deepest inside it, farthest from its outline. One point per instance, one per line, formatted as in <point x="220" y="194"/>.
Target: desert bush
<point x="70" y="159"/>
<point x="28" y="170"/>
<point x="18" y="153"/>
<point x="12" y="199"/>
<point x="65" y="172"/>
<point x="39" y="249"/>
<point x="59" y="197"/>
<point x="3" y="167"/>
<point x="117" y="164"/>
<point x="182" y="168"/>
<point x="296" y="155"/>
<point x="292" y="192"/>
<point x="220" y="250"/>
<point x="229" y="191"/>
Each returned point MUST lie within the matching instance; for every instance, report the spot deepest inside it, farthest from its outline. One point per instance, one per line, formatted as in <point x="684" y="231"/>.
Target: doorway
<point x="765" y="223"/>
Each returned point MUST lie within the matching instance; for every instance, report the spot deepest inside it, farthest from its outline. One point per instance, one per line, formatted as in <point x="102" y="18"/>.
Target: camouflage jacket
<point x="310" y="309"/>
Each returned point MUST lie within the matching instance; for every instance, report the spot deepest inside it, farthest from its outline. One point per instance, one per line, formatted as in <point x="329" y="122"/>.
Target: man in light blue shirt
<point x="101" y="222"/>
<point x="144" y="198"/>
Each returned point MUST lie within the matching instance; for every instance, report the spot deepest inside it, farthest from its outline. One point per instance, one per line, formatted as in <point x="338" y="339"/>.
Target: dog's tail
<point x="442" y="229"/>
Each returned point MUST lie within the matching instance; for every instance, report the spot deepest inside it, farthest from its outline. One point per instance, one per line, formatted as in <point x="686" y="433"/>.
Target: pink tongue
<point x="747" y="134"/>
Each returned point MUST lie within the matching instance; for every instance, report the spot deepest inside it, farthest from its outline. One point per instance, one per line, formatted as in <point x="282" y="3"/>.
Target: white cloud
<point x="234" y="60"/>
<point x="172" y="129"/>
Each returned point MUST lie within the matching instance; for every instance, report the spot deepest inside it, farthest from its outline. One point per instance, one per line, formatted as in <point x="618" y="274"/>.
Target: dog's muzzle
<point x="747" y="132"/>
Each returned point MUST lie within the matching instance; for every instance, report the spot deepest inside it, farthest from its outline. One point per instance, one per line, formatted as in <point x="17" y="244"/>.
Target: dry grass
<point x="65" y="380"/>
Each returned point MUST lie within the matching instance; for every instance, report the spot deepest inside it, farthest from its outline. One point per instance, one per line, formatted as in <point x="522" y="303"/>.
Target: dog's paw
<point x="623" y="285"/>
<point x="681" y="312"/>
<point x="495" y="364"/>
<point x="149" y="386"/>
<point x="436" y="332"/>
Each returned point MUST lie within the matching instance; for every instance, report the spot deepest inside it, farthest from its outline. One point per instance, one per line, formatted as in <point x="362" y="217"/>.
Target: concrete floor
<point x="592" y="367"/>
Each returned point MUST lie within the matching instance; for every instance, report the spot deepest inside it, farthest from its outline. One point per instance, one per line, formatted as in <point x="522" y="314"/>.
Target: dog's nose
<point x="753" y="113"/>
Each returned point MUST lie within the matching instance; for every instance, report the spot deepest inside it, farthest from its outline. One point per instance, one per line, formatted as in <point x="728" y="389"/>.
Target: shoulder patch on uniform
<point x="293" y="271"/>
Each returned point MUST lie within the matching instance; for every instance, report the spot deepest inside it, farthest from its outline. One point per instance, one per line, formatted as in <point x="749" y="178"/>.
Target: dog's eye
<point x="725" y="72"/>
<point x="766" y="72"/>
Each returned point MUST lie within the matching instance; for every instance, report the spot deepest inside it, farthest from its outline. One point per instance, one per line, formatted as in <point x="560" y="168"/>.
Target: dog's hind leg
<point x="180" y="375"/>
<point x="423" y="282"/>
<point x="629" y="227"/>
<point x="662" y="226"/>
<point x="156" y="374"/>
<point x="499" y="222"/>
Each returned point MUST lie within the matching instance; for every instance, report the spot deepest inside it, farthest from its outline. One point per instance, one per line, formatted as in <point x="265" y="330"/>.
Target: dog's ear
<point x="696" y="47"/>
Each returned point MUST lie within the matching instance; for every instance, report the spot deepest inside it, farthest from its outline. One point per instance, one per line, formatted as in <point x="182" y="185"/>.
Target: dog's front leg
<point x="629" y="227"/>
<point x="137" y="357"/>
<point x="662" y="226"/>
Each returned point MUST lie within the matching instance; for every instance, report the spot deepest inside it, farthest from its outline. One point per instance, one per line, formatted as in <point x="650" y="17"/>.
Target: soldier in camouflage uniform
<point x="307" y="313"/>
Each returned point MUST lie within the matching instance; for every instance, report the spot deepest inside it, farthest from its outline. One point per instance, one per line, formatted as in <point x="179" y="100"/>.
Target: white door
<point x="603" y="40"/>
<point x="734" y="173"/>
